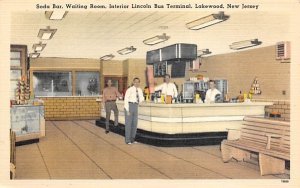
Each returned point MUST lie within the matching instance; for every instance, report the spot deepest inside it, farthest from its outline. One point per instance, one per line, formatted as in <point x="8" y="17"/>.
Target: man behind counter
<point x="167" y="88"/>
<point x="210" y="96"/>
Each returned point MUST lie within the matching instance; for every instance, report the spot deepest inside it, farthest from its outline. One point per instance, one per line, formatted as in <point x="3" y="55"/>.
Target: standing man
<point x="110" y="95"/>
<point x="210" y="96"/>
<point x="167" y="88"/>
<point x="133" y="96"/>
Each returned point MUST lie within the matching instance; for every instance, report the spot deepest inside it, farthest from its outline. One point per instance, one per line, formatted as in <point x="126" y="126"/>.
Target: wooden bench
<point x="12" y="154"/>
<point x="269" y="138"/>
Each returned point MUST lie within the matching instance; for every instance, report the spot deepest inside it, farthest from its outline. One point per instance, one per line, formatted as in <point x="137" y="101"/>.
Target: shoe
<point x="128" y="143"/>
<point x="135" y="142"/>
<point x="106" y="131"/>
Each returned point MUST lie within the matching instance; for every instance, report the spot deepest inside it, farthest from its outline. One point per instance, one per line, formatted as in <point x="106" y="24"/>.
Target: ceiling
<point x="94" y="34"/>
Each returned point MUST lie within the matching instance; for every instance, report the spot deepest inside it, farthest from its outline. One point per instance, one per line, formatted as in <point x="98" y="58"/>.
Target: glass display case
<point x="26" y="121"/>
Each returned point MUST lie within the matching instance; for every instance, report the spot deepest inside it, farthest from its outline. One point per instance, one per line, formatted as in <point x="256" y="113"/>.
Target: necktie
<point x="137" y="96"/>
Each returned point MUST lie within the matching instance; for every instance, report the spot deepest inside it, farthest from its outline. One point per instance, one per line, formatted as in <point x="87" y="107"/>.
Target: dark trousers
<point x="111" y="106"/>
<point x="131" y="121"/>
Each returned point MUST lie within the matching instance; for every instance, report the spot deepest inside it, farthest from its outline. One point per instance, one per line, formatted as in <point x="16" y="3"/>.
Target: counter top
<point x="180" y="105"/>
<point x="93" y="96"/>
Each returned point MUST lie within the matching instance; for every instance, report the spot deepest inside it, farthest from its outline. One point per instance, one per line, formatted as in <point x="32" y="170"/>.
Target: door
<point x="119" y="82"/>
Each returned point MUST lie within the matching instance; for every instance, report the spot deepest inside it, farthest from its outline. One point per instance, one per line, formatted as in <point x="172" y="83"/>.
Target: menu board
<point x="160" y="69"/>
<point x="178" y="69"/>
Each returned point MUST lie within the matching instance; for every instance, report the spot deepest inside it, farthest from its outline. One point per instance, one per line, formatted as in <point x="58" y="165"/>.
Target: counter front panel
<point x="192" y="118"/>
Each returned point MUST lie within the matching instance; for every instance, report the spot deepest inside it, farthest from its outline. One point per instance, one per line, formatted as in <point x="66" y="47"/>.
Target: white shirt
<point x="167" y="89"/>
<point x="211" y="95"/>
<point x="130" y="96"/>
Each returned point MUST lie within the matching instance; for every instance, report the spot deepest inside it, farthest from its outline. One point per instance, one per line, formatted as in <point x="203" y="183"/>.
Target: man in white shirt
<point x="167" y="88"/>
<point x="133" y="96"/>
<point x="212" y="92"/>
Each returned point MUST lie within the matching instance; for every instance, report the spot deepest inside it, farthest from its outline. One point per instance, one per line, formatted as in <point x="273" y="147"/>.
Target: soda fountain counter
<point x="187" y="122"/>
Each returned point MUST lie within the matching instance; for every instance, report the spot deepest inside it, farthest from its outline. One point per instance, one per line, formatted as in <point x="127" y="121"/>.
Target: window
<point x="52" y="83"/>
<point x="87" y="83"/>
<point x="15" y="72"/>
<point x="15" y="59"/>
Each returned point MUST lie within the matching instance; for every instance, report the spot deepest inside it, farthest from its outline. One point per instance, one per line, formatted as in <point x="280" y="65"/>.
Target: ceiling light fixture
<point x="157" y="39"/>
<point x="127" y="50"/>
<point x="107" y="57"/>
<point x="46" y="34"/>
<point x="207" y="21"/>
<point x="244" y="44"/>
<point x="56" y="15"/>
<point x="38" y="47"/>
<point x="203" y="52"/>
<point x="34" y="55"/>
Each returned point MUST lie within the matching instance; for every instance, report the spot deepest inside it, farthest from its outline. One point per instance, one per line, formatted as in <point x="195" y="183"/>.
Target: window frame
<point x="75" y="79"/>
<point x="22" y="49"/>
<point x="73" y="76"/>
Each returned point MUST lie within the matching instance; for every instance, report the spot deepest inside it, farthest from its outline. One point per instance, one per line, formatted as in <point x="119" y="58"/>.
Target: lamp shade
<point x="157" y="39"/>
<point x="203" y="52"/>
<point x="127" y="50"/>
<point x="46" y="34"/>
<point x="207" y="21"/>
<point x="38" y="47"/>
<point x="34" y="55"/>
<point x="56" y="15"/>
<point x="107" y="57"/>
<point x="244" y="44"/>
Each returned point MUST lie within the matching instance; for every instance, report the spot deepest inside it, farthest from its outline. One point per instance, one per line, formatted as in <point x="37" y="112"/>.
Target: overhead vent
<point x="173" y="52"/>
<point x="283" y="50"/>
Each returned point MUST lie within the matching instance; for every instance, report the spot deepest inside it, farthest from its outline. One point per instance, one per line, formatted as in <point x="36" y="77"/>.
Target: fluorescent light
<point x="203" y="52"/>
<point x="107" y="57"/>
<point x="157" y="39"/>
<point x="127" y="50"/>
<point x="34" y="55"/>
<point x="46" y="34"/>
<point x="56" y="15"/>
<point x="207" y="21"/>
<point x="38" y="47"/>
<point x="244" y="44"/>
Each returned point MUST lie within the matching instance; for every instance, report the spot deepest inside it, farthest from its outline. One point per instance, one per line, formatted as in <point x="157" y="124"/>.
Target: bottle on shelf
<point x="245" y="97"/>
<point x="226" y="98"/>
<point x="162" y="98"/>
<point x="240" y="97"/>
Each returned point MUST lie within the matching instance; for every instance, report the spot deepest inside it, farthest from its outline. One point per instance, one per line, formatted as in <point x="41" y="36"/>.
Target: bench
<point x="12" y="154"/>
<point x="269" y="138"/>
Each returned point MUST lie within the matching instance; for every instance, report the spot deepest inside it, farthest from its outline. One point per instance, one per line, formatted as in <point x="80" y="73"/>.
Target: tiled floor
<point x="81" y="150"/>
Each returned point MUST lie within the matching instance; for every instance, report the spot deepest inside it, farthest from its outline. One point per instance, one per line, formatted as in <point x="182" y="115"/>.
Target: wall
<point x="114" y="68"/>
<point x="53" y="63"/>
<point x="63" y="64"/>
<point x="241" y="68"/>
<point x="71" y="108"/>
<point x="136" y="68"/>
<point x="67" y="108"/>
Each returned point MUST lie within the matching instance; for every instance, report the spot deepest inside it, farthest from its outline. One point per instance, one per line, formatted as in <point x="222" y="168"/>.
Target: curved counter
<point x="191" y="119"/>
